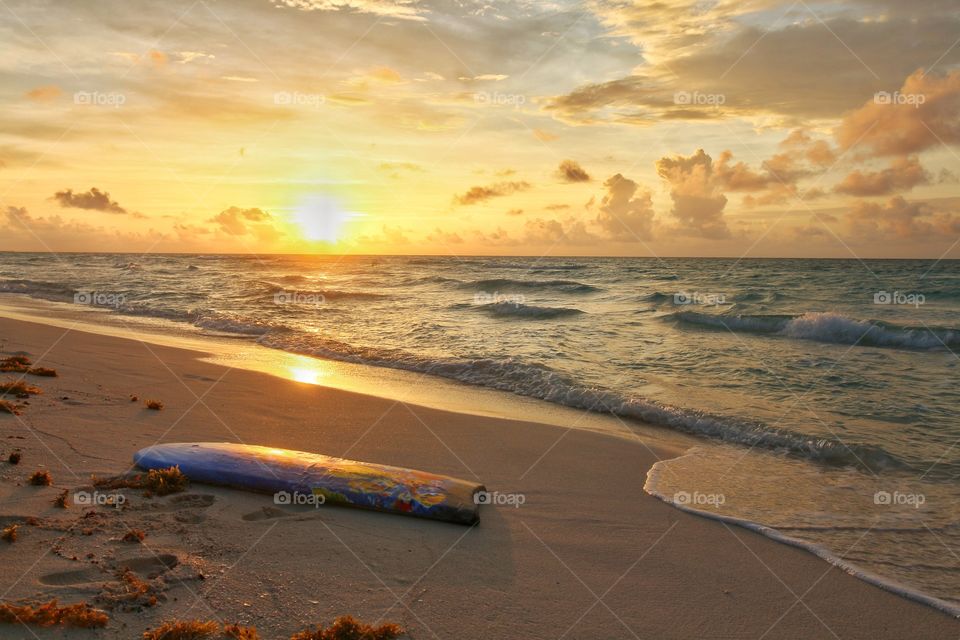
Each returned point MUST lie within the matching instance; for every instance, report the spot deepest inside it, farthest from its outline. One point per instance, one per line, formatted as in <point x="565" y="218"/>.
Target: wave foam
<point x="541" y="382"/>
<point x="828" y="327"/>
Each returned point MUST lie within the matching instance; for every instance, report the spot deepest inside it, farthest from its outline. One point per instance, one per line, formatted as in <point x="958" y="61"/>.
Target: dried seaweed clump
<point x="9" y="533"/>
<point x="344" y="628"/>
<point x="50" y="614"/>
<point x="159" y="482"/>
<point x="184" y="630"/>
<point x="347" y="628"/>
<point x="19" y="389"/>
<point x="9" y="407"/>
<point x="134" y="535"/>
<point x="15" y="364"/>
<point x="41" y="478"/>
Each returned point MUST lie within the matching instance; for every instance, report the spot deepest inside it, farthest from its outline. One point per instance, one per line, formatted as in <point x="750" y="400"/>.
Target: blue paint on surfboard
<point x="296" y="476"/>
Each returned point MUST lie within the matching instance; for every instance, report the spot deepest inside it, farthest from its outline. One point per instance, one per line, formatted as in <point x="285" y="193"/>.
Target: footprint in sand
<point x="148" y="566"/>
<point x="267" y="513"/>
<point x="182" y="502"/>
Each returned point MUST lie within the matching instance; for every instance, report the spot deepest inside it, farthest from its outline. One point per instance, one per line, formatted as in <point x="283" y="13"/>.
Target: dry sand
<point x="588" y="555"/>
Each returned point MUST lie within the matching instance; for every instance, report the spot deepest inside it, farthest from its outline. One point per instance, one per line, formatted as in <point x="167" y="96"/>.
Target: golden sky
<point x="455" y="127"/>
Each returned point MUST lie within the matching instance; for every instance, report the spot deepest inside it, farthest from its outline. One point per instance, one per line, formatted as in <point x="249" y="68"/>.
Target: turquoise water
<point x="818" y="386"/>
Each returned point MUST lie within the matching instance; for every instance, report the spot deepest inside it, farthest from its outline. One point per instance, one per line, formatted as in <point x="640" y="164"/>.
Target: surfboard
<point x="299" y="477"/>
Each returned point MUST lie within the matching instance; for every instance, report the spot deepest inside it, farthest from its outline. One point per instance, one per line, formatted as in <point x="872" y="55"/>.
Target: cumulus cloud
<point x="483" y="193"/>
<point x="239" y="222"/>
<point x="549" y="231"/>
<point x="903" y="174"/>
<point x="899" y="218"/>
<point x="904" y="125"/>
<point x="625" y="214"/>
<point x="571" y="171"/>
<point x="698" y="202"/>
<point x="93" y="199"/>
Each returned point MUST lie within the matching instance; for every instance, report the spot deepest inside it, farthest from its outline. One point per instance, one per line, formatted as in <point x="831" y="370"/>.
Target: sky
<point x="757" y="128"/>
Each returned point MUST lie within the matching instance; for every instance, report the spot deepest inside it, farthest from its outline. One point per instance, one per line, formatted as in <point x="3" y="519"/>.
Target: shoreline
<point x="887" y="584"/>
<point x="571" y="524"/>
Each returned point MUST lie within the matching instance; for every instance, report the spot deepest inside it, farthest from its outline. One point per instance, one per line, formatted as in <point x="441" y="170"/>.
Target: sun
<point x="320" y="218"/>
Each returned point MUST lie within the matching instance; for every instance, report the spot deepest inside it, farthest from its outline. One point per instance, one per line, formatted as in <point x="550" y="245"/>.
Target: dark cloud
<point x="718" y="66"/>
<point x="483" y="193"/>
<point x="94" y="199"/>
<point x="571" y="171"/>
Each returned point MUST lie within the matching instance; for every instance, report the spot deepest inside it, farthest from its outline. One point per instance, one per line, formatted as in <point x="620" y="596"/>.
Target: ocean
<point x="823" y="393"/>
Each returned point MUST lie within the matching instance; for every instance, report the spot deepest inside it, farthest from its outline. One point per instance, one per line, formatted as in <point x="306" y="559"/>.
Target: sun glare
<point x="321" y="219"/>
<point x="306" y="375"/>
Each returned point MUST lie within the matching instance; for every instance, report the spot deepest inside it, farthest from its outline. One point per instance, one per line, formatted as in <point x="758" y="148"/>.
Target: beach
<point x="587" y="554"/>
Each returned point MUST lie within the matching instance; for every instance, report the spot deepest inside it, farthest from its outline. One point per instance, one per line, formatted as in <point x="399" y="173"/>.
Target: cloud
<point x="93" y="199"/>
<point x="900" y="128"/>
<point x="570" y="171"/>
<point x="46" y="93"/>
<point x="389" y="8"/>
<point x="753" y="58"/>
<point x="698" y="202"/>
<point x="540" y="231"/>
<point x="515" y="212"/>
<point x="486" y="77"/>
<point x="238" y="222"/>
<point x="902" y="175"/>
<point x="624" y="214"/>
<point x="899" y="218"/>
<point x="445" y="237"/>
<point x="396" y="170"/>
<point x="777" y="180"/>
<point x="483" y="193"/>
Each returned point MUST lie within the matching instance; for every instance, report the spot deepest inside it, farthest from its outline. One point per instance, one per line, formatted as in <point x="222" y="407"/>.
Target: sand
<point x="587" y="555"/>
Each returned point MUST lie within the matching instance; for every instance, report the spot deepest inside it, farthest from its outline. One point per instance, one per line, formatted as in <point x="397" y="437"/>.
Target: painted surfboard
<point x="299" y="477"/>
